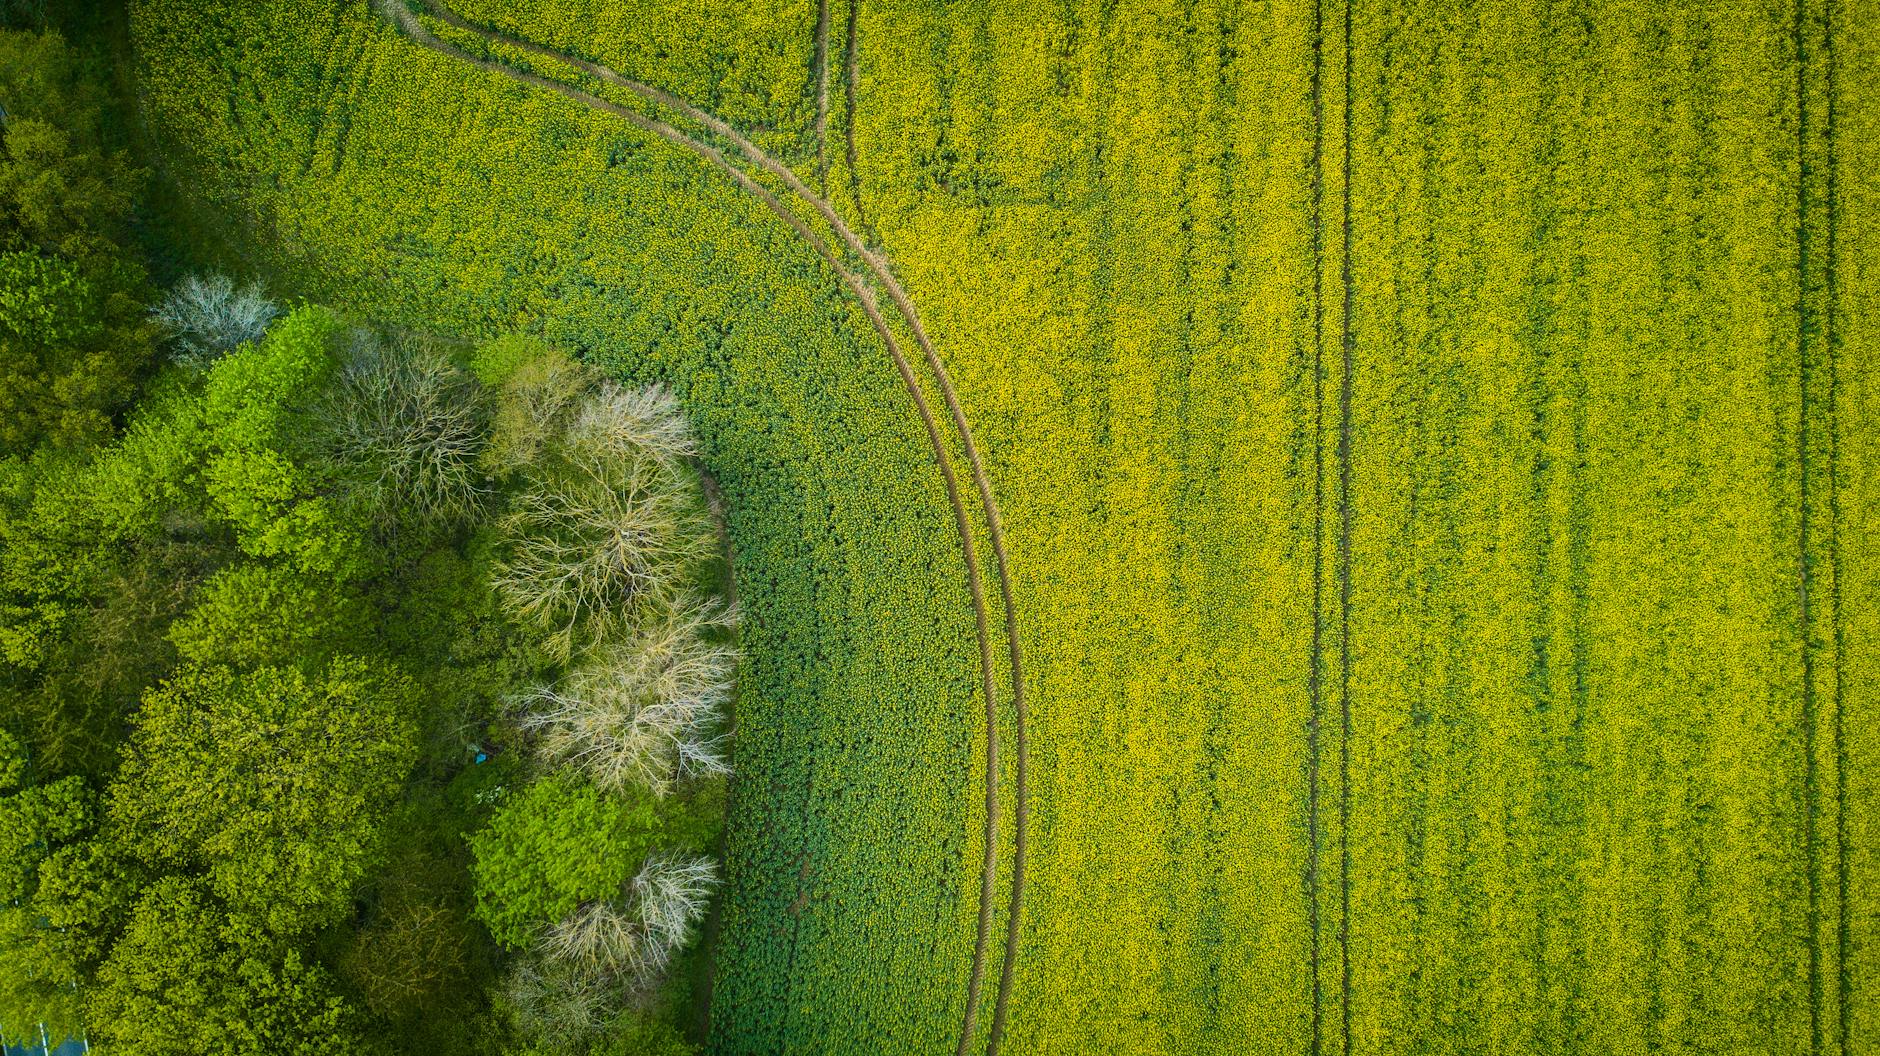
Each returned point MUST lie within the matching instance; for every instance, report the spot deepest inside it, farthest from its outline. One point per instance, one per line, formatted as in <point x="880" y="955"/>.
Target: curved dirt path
<point x="878" y="268"/>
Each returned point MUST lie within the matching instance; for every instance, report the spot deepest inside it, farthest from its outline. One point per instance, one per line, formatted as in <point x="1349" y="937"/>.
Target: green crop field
<point x="1433" y="446"/>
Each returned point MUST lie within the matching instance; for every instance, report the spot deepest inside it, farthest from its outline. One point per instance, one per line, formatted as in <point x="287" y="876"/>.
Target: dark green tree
<point x="73" y="335"/>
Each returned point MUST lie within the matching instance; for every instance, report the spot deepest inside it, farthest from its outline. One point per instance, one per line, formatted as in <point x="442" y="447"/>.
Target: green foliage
<point x="34" y="821"/>
<point x="186" y="978"/>
<point x="254" y="403"/>
<point x="416" y="959"/>
<point x="256" y="615"/>
<point x="13" y="762"/>
<point x="85" y="893"/>
<point x="496" y="361"/>
<point x="272" y="781"/>
<point x="552" y="846"/>
<point x="51" y="944"/>
<point x="72" y="335"/>
<point x="540" y="390"/>
<point x="42" y="948"/>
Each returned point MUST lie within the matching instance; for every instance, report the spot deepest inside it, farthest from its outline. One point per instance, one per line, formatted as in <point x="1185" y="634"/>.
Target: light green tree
<point x="187" y="978"/>
<point x="272" y="782"/>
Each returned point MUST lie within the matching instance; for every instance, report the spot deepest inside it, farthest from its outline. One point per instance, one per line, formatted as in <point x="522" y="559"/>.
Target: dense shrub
<point x="414" y="953"/>
<point x="557" y="844"/>
<point x="555" y="1005"/>
<point x="41" y="948"/>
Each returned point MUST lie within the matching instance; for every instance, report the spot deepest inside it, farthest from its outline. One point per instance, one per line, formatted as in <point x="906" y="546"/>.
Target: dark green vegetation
<point x="73" y="337"/>
<point x="268" y="844"/>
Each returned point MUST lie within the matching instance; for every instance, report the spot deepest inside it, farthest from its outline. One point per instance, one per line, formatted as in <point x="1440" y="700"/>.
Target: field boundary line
<point x="878" y="267"/>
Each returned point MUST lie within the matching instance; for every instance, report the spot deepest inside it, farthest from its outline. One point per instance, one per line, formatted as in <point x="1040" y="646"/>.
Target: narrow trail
<point x="877" y="267"/>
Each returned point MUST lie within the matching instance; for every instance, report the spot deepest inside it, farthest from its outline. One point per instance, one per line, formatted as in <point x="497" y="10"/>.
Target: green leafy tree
<point x="73" y="337"/>
<point x="40" y="962"/>
<point x="186" y="977"/>
<point x="255" y="615"/>
<point x="272" y="782"/>
<point x="257" y="470"/>
<point x="556" y="845"/>
<point x="34" y="820"/>
<point x="99" y="551"/>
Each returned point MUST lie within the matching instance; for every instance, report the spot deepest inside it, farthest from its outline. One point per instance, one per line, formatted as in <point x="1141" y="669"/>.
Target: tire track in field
<point x="848" y="123"/>
<point x="1811" y="778"/>
<point x="1348" y="348"/>
<point x="1843" y="944"/>
<point x="864" y="294"/>
<point x="1314" y="673"/>
<point x="821" y="74"/>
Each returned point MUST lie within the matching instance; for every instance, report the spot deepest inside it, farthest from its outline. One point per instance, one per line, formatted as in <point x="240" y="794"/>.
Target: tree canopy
<point x="270" y="781"/>
<point x="73" y="334"/>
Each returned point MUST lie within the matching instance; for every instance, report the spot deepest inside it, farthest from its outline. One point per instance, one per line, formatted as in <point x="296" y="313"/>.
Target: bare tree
<point x="208" y="317"/>
<point x="635" y="938"/>
<point x="645" y="712"/>
<point x="592" y="547"/>
<point x="553" y="999"/>
<point x="673" y="892"/>
<point x="603" y="938"/>
<point x="403" y="429"/>
<point x="622" y="422"/>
